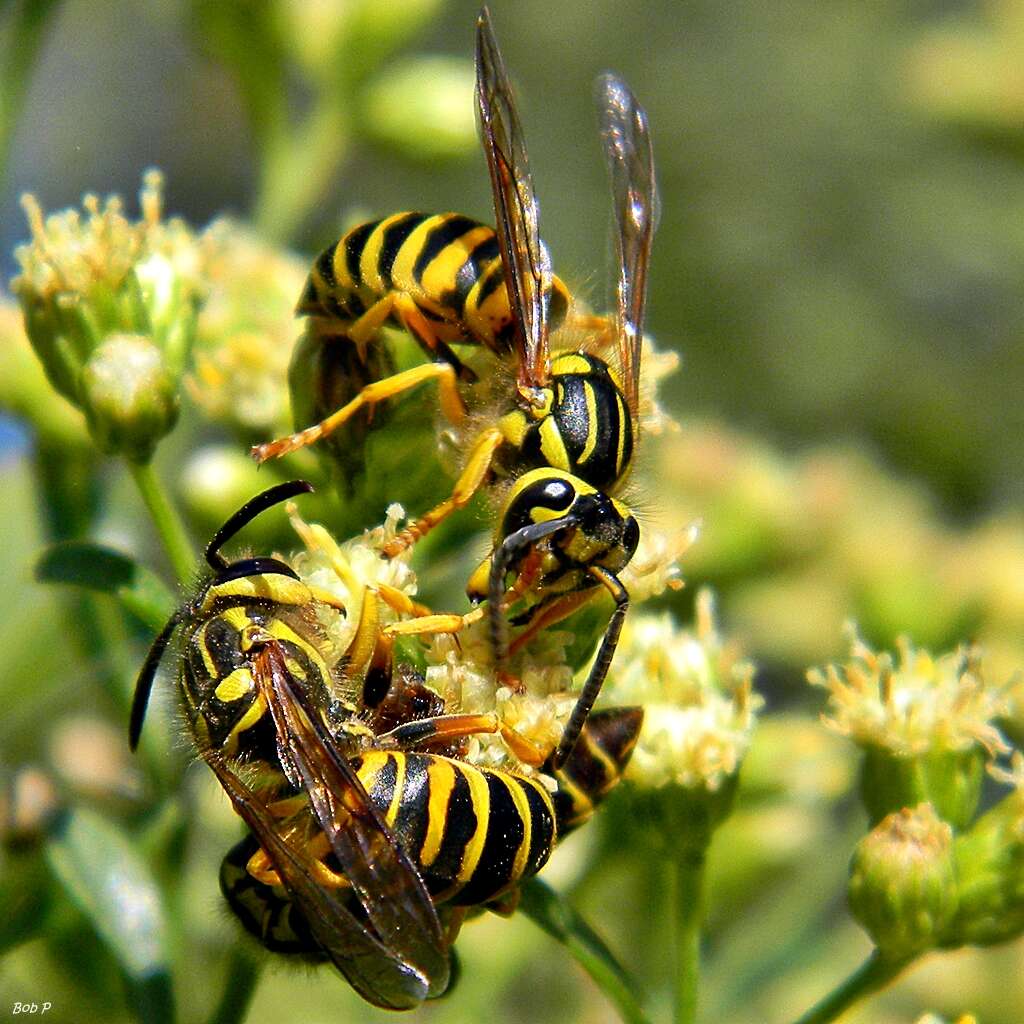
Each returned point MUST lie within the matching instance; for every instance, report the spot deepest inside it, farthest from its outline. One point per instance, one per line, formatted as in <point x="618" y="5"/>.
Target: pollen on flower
<point x="246" y="331"/>
<point x="914" y="706"/>
<point x="73" y="255"/>
<point x="698" y="699"/>
<point x="350" y="569"/>
<point x="536" y="701"/>
<point x="654" y="568"/>
<point x="654" y="367"/>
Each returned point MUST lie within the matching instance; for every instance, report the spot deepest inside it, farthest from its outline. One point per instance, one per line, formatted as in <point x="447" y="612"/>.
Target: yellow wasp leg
<point x="428" y="625"/>
<point x="399" y="602"/>
<point x="450" y="727"/>
<point x="377" y="391"/>
<point x="555" y="612"/>
<point x="260" y="868"/>
<point x="404" y="307"/>
<point x="469" y="482"/>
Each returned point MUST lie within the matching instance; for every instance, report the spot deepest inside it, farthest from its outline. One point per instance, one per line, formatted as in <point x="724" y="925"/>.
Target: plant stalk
<point x="555" y="916"/>
<point x="875" y="973"/>
<point x="169" y="526"/>
<point x="688" y="898"/>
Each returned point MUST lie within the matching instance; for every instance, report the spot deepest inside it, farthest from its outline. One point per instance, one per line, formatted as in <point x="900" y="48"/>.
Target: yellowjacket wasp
<point x="369" y="838"/>
<point x="568" y="435"/>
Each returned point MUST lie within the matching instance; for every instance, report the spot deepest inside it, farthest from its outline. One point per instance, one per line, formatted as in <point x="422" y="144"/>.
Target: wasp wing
<point x="526" y="262"/>
<point x="404" y="958"/>
<point x="627" y="146"/>
<point x="376" y="972"/>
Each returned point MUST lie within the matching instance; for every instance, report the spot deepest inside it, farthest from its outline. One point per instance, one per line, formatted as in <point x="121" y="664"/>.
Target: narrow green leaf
<point x="95" y="567"/>
<point x="25" y="890"/>
<point x="97" y="866"/>
<point x="554" y="915"/>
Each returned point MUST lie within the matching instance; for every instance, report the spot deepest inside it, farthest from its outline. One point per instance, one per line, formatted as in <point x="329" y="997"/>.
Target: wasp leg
<point x="403" y="307"/>
<point x="598" y="671"/>
<point x="558" y="610"/>
<point x="468" y="483"/>
<point x="505" y="906"/>
<point x="451" y="405"/>
<point x="443" y="728"/>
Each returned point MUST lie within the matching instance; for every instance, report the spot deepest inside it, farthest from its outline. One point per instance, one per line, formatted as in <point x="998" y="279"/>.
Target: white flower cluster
<point x="699" y="706"/>
<point x="917" y="705"/>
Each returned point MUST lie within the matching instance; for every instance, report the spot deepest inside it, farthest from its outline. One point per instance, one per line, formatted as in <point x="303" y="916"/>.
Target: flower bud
<point x="903" y="882"/>
<point x="990" y="871"/>
<point x="129" y="396"/>
<point x="87" y="279"/>
<point x="29" y="804"/>
<point x="926" y="726"/>
<point x="420" y="106"/>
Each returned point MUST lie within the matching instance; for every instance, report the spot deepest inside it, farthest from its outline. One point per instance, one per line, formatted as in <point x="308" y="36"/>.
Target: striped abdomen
<point x="467" y="831"/>
<point x="473" y="833"/>
<point x="448" y="264"/>
<point x="595" y="766"/>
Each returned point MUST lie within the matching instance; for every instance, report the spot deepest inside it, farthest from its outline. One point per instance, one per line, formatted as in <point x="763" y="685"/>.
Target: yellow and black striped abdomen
<point x="449" y="265"/>
<point x="595" y="766"/>
<point x="266" y="911"/>
<point x="474" y="833"/>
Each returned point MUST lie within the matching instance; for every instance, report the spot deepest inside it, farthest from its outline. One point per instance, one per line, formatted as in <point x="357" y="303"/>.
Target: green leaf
<point x="95" y="567"/>
<point x="25" y="890"/>
<point x="554" y="915"/>
<point x="97" y="866"/>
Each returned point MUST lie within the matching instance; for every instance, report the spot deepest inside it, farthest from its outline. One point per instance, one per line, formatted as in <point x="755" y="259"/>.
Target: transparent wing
<point x="402" y="958"/>
<point x="525" y="259"/>
<point x="627" y="146"/>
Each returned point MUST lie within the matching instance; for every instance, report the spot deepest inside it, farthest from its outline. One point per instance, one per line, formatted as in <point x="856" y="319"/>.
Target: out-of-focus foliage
<point x="839" y="264"/>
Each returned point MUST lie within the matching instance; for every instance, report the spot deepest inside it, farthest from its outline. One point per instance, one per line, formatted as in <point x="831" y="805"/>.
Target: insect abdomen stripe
<point x="506" y="833"/>
<point x="452" y="227"/>
<point x="463" y="824"/>
<point x="355" y="243"/>
<point x="394" y="237"/>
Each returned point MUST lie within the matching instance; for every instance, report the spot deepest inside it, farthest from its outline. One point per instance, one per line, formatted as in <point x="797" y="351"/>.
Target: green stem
<point x="550" y="912"/>
<point x="875" y="973"/>
<point x="239" y="986"/>
<point x="167" y="521"/>
<point x="688" y="892"/>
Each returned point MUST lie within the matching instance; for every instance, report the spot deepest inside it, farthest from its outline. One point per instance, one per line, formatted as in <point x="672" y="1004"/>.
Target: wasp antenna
<point x="247" y="513"/>
<point x="144" y="684"/>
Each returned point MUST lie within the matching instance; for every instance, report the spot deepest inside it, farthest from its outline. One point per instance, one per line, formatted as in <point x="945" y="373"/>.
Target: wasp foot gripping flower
<point x="925" y="724"/>
<point x="990" y="870"/>
<point x="537" y="704"/>
<point x="903" y="882"/>
<point x="110" y="309"/>
<point x="699" y="708"/>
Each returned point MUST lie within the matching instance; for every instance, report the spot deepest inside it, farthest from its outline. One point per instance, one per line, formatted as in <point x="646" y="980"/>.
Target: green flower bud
<point x="25" y="391"/>
<point x="218" y="479"/>
<point x="420" y="106"/>
<point x="87" y="278"/>
<point x="926" y="726"/>
<point x="29" y="804"/>
<point x="129" y="396"/>
<point x="903" y="882"/>
<point x="990" y="870"/>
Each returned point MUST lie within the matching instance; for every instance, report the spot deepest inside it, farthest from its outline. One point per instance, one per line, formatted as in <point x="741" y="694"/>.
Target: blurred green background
<point x="839" y="264"/>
